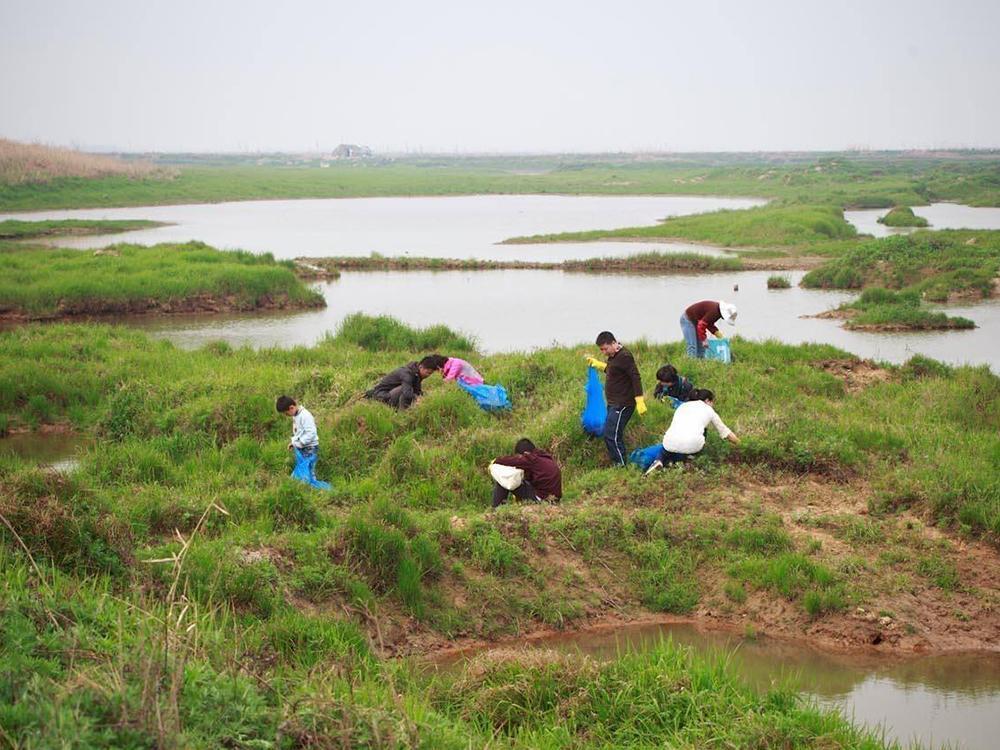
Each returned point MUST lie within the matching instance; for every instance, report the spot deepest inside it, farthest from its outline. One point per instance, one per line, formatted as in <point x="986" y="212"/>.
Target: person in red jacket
<point x="699" y="319"/>
<point x="542" y="476"/>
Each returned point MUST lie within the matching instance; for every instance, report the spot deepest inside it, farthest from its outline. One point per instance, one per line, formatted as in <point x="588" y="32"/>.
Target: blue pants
<point x="694" y="347"/>
<point x="614" y="432"/>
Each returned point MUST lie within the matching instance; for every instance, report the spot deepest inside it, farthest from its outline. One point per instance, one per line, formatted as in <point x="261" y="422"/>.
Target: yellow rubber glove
<point x="640" y="405"/>
<point x="602" y="366"/>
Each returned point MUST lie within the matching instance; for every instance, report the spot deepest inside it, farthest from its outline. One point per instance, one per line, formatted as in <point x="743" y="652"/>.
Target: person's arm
<point x="633" y="371"/>
<point x="724" y="432"/>
<point x="451" y="369"/>
<point x="518" y="461"/>
<point x="710" y="325"/>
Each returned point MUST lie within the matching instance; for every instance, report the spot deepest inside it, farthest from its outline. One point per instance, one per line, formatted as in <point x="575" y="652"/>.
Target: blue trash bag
<point x="643" y="457"/>
<point x="488" y="397"/>
<point x="305" y="470"/>
<point x="595" y="410"/>
<point x="675" y="402"/>
<point x="718" y="349"/>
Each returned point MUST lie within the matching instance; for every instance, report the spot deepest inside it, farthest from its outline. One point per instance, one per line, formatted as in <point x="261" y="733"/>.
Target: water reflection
<point x="54" y="450"/>
<point x="440" y="227"/>
<point x="935" y="699"/>
<point x="523" y="310"/>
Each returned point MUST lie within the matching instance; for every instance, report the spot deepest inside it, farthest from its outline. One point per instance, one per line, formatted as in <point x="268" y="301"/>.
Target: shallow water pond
<point x="54" y="450"/>
<point x="523" y="310"/>
<point x="439" y="227"/>
<point x="948" y="700"/>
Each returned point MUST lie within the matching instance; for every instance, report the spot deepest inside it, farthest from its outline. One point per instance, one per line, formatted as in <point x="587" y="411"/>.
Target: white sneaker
<point x="657" y="464"/>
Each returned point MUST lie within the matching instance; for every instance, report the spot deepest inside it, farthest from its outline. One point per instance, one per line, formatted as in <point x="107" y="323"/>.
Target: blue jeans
<point x="614" y="432"/>
<point x="694" y="347"/>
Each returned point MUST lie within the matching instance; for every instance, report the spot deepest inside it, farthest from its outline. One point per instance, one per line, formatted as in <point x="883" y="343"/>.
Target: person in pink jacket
<point x="453" y="368"/>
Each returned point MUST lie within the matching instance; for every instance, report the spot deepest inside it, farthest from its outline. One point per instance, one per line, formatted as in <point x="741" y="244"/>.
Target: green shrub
<point x="292" y="504"/>
<point x="388" y="334"/>
<point x="778" y="282"/>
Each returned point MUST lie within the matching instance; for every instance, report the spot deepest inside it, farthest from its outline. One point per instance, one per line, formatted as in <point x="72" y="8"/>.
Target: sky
<point x="510" y="76"/>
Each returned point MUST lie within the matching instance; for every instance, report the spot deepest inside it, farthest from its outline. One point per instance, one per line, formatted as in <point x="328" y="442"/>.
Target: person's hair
<point x="605" y="337"/>
<point x="702" y="394"/>
<point x="284" y="403"/>
<point x="524" y="446"/>
<point x="439" y="361"/>
<point x="432" y="362"/>
<point x="667" y="374"/>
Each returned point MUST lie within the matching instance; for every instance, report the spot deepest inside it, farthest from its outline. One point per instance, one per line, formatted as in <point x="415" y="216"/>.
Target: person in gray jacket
<point x="401" y="387"/>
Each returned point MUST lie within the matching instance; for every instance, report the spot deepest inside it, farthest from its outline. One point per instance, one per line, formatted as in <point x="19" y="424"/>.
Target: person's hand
<point x="640" y="405"/>
<point x="289" y="447"/>
<point x="720" y="335"/>
<point x="595" y="362"/>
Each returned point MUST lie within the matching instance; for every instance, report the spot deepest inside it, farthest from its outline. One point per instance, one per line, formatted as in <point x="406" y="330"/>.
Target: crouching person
<point x="686" y="435"/>
<point x="401" y="387"/>
<point x="541" y="477"/>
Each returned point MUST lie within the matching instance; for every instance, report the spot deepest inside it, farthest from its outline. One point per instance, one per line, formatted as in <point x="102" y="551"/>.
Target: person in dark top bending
<point x="622" y="390"/>
<point x="542" y="476"/>
<point x="670" y="384"/>
<point x="402" y="386"/>
<point x="699" y="319"/>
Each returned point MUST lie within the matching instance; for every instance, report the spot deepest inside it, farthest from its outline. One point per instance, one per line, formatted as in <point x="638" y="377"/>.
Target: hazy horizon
<point x="522" y="78"/>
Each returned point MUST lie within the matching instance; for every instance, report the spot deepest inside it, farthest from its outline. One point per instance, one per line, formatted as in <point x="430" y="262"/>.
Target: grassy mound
<point x="884" y="309"/>
<point x="13" y="229"/>
<point x="936" y="265"/>
<point x="182" y="590"/>
<point x="903" y="216"/>
<point x="45" y="282"/>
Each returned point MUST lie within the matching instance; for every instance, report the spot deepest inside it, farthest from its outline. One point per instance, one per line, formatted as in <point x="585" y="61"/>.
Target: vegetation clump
<point x="903" y="216"/>
<point x="14" y="229"/>
<point x="881" y="309"/>
<point x="778" y="282"/>
<point x="40" y="283"/>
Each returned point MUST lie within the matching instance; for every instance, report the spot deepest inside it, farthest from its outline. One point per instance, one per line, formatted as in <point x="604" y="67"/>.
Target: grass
<point x="765" y="226"/>
<point x="278" y="590"/>
<point x="882" y="309"/>
<point x="778" y="282"/>
<point x="903" y="216"/>
<point x="13" y="229"/>
<point x="831" y="180"/>
<point x="47" y="282"/>
<point x="935" y="265"/>
<point x="24" y="164"/>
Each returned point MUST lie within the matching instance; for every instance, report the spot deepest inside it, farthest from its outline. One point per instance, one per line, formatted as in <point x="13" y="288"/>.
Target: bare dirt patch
<point x="857" y="374"/>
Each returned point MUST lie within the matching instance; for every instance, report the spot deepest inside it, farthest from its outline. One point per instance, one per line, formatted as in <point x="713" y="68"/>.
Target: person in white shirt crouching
<point x="686" y="435"/>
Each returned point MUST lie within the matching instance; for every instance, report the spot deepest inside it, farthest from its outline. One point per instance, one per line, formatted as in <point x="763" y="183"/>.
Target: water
<point x="53" y="450"/>
<point x="936" y="700"/>
<point x="523" y="310"/>
<point x="440" y="227"/>
<point x="940" y="215"/>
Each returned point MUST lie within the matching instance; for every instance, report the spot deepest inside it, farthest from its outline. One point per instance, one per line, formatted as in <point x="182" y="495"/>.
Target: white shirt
<point x="304" y="429"/>
<point x="686" y="433"/>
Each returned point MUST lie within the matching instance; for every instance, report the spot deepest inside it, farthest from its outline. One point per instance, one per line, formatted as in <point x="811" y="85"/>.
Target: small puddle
<point x="939" y="701"/>
<point x="52" y="450"/>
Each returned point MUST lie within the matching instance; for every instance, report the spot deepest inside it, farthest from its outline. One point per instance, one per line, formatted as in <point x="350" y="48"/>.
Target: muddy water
<point x="55" y="450"/>
<point x="940" y="216"/>
<point x="440" y="227"/>
<point x="951" y="700"/>
<point x="522" y="310"/>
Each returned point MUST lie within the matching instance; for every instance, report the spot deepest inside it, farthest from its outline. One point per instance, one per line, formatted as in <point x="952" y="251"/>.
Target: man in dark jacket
<point x="542" y="476"/>
<point x="622" y="391"/>
<point x="402" y="386"/>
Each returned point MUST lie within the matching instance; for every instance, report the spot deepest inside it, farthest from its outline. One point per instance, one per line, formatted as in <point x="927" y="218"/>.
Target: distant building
<point x="351" y="151"/>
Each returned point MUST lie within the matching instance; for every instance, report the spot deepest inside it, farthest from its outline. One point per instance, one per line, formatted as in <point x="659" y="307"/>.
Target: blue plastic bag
<point x="643" y="457"/>
<point x="718" y="349"/>
<point x="595" y="409"/>
<point x="305" y="470"/>
<point x="488" y="397"/>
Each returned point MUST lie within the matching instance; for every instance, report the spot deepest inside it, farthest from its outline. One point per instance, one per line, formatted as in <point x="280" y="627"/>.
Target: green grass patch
<point x="903" y="216"/>
<point x="44" y="282"/>
<point x="14" y="229"/>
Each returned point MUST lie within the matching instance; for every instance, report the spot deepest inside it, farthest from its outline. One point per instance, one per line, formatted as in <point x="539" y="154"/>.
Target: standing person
<point x="622" y="391"/>
<point x="542" y="475"/>
<point x="686" y="435"/>
<point x="305" y="440"/>
<point x="402" y="386"/>
<point x="453" y="368"/>
<point x="700" y="318"/>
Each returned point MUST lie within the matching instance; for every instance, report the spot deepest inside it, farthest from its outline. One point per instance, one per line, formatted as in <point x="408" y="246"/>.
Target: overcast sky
<point x="502" y="76"/>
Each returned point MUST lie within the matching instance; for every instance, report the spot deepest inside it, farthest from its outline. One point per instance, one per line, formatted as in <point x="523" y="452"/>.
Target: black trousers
<point x="400" y="397"/>
<point x="524" y="492"/>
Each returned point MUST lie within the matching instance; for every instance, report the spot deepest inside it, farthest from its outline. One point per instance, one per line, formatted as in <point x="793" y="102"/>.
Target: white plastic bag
<point x="508" y="477"/>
